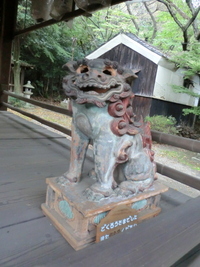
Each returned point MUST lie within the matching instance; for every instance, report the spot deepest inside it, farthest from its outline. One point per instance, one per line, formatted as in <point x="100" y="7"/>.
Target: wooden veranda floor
<point x="30" y="153"/>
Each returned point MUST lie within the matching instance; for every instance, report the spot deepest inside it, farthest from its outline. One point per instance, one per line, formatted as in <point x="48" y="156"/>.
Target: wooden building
<point x="153" y="92"/>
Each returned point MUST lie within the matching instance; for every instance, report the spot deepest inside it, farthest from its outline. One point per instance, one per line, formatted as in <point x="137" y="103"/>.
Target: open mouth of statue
<point x="94" y="90"/>
<point x="100" y="94"/>
<point x="97" y="88"/>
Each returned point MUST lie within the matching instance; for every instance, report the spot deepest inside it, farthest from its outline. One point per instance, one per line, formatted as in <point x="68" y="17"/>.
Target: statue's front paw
<point x="126" y="189"/>
<point x="97" y="192"/>
<point x="99" y="188"/>
<point x="92" y="174"/>
<point x="66" y="178"/>
<point x="123" y="192"/>
<point x="92" y="196"/>
<point x="129" y="186"/>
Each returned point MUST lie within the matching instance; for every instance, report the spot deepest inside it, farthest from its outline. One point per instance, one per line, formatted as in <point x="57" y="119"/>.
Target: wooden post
<point x="8" y="14"/>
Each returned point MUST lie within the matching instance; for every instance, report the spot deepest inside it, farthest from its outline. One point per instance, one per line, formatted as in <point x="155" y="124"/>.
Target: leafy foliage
<point x="16" y="102"/>
<point x="188" y="60"/>
<point x="184" y="90"/>
<point x="193" y="110"/>
<point x="163" y="124"/>
<point x="169" y="35"/>
<point x="46" y="50"/>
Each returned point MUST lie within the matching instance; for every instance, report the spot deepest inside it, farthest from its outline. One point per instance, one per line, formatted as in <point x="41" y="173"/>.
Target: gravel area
<point x="177" y="158"/>
<point x="181" y="160"/>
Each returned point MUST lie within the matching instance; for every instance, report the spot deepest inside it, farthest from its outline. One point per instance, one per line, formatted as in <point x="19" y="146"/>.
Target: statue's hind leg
<point x="138" y="171"/>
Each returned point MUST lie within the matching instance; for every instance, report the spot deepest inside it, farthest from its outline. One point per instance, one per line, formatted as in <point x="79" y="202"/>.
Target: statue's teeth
<point x="92" y="93"/>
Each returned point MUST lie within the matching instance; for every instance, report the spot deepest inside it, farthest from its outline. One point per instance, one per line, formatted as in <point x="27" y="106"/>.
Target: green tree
<point x="188" y="61"/>
<point x="89" y="33"/>
<point x="47" y="49"/>
<point x="184" y="17"/>
<point x="16" y="65"/>
<point x="170" y="24"/>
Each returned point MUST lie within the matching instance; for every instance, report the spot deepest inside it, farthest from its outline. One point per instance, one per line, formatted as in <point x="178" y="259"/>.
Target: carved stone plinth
<point x="76" y="218"/>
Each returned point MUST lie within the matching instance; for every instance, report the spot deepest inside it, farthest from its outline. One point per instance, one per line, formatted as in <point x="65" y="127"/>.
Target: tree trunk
<point x="133" y="20"/>
<point x="153" y="21"/>
<point x="16" y="68"/>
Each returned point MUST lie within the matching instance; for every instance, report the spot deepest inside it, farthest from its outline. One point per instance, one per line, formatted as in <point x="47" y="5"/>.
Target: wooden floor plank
<point x="191" y="259"/>
<point x="149" y="244"/>
<point x="14" y="127"/>
<point x="26" y="244"/>
<point x="21" y="211"/>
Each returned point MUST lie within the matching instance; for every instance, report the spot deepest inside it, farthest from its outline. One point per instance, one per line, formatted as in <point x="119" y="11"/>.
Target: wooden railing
<point x="159" y="137"/>
<point x="42" y="105"/>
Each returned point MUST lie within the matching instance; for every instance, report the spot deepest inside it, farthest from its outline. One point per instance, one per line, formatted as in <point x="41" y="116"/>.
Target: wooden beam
<point x="177" y="141"/>
<point x="181" y="177"/>
<point x="41" y="104"/>
<point x="66" y="17"/>
<point x="43" y="121"/>
<point x="8" y="22"/>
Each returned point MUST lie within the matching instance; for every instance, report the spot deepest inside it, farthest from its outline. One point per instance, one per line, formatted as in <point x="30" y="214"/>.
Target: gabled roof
<point x="133" y="42"/>
<point x="145" y="44"/>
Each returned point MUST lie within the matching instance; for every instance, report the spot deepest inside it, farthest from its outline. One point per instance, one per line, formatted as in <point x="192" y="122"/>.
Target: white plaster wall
<point x="162" y="89"/>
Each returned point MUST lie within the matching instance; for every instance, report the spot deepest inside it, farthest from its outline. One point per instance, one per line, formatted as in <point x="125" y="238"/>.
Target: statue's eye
<point x="85" y="69"/>
<point x="107" y="72"/>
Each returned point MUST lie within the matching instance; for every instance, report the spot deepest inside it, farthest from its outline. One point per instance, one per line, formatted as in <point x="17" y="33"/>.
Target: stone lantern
<point x="28" y="89"/>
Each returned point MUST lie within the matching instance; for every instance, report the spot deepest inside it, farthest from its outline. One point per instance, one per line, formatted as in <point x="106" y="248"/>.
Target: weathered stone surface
<point x="101" y="100"/>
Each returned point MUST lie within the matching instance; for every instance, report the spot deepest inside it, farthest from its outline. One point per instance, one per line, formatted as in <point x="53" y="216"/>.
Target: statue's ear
<point x="70" y="66"/>
<point x="130" y="75"/>
<point x="136" y="71"/>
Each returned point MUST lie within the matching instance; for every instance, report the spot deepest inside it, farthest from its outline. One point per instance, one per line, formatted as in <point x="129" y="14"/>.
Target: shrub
<point x="163" y="124"/>
<point x="16" y="102"/>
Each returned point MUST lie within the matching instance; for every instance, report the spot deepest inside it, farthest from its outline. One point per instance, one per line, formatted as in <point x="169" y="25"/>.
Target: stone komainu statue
<point x="101" y="99"/>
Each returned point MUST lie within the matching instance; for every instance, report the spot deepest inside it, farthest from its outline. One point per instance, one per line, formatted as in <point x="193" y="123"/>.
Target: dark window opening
<point x="187" y="83"/>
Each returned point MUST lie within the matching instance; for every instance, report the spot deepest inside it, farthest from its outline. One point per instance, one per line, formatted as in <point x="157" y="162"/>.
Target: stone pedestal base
<point x="76" y="218"/>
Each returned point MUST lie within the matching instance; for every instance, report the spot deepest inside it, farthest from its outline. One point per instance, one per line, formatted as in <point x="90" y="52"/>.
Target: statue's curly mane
<point x="122" y="111"/>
